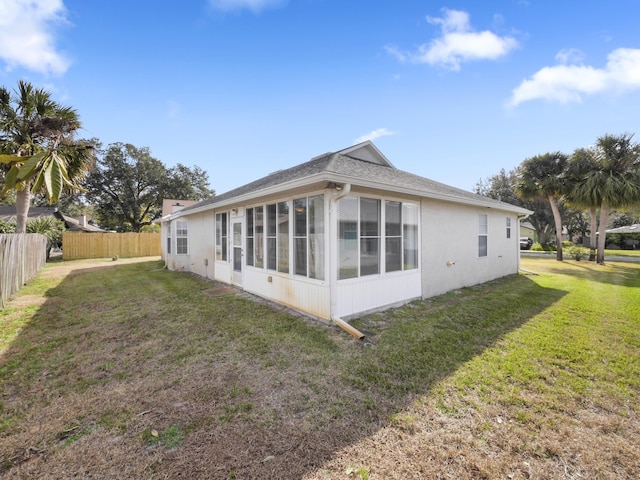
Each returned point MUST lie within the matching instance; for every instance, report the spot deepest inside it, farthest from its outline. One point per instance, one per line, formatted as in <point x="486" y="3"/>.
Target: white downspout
<point x="333" y="252"/>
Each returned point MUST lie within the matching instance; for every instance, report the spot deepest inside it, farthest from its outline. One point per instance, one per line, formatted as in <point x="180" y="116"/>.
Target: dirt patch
<point x="220" y="291"/>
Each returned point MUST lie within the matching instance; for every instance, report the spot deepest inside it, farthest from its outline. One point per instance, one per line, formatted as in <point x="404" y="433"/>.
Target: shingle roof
<point x="8" y="212"/>
<point x="351" y="169"/>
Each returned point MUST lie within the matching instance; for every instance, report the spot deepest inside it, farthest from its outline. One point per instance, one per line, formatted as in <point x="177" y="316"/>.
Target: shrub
<point x="578" y="253"/>
<point x="7" y="226"/>
<point x="50" y="227"/>
<point x="537" y="247"/>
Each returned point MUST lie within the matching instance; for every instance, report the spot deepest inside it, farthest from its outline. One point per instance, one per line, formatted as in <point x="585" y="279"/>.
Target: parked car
<point x="525" y="243"/>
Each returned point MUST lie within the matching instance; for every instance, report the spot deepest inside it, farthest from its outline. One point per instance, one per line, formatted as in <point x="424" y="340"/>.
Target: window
<point x="169" y="226"/>
<point x="482" y="235"/>
<point x="410" y="236"/>
<point x="258" y="226"/>
<point x="278" y="237"/>
<point x="283" y="237"/>
<point x="348" y="237"/>
<point x="272" y="237"/>
<point x="308" y="237"/>
<point x="182" y="238"/>
<point x="508" y="227"/>
<point x="393" y="236"/>
<point x="361" y="239"/>
<point x="292" y="240"/>
<point x="316" y="237"/>
<point x="300" y="236"/>
<point x="250" y="237"/>
<point x="369" y="236"/>
<point x="222" y="237"/>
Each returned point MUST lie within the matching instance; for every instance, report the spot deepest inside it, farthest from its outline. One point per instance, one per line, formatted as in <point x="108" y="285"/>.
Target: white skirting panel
<point x="308" y="296"/>
<point x="371" y="293"/>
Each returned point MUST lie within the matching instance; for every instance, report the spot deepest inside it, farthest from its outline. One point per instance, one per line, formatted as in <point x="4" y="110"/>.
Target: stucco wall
<point x="201" y="255"/>
<point x="450" y="247"/>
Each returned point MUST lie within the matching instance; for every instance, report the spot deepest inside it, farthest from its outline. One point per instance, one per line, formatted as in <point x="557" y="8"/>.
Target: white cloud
<point x="380" y="132"/>
<point x="570" y="55"/>
<point x="570" y="83"/>
<point x="458" y="43"/>
<point x="26" y="35"/>
<point x="256" y="6"/>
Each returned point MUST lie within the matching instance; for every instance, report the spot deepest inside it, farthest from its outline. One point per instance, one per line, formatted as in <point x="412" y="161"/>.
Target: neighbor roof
<point x="362" y="165"/>
<point x="8" y="212"/>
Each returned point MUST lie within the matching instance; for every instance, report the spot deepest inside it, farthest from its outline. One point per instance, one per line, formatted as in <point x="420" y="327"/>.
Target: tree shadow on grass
<point x="614" y="273"/>
<point x="136" y="373"/>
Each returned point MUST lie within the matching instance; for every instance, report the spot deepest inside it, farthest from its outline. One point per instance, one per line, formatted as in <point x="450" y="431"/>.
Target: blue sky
<point x="453" y="90"/>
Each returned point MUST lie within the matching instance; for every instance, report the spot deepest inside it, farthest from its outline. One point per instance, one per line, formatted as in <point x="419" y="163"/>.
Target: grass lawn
<point x="126" y="370"/>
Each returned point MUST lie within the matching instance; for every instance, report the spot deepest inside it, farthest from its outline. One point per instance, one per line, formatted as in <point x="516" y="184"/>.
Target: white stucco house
<point x="344" y="234"/>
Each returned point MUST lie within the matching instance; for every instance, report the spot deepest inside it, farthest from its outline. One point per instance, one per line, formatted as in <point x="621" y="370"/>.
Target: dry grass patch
<point x="131" y="371"/>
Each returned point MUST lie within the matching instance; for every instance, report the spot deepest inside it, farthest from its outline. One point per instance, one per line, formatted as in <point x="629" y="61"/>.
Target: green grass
<point x="144" y="355"/>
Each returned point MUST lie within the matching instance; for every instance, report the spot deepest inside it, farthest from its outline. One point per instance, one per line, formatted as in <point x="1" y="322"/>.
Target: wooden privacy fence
<point x="77" y="245"/>
<point x="21" y="257"/>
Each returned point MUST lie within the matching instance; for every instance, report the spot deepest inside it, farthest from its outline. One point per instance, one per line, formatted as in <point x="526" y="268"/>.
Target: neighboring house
<point x="344" y="234"/>
<point x="628" y="237"/>
<point x="170" y="205"/>
<point x="527" y="230"/>
<point x="80" y="224"/>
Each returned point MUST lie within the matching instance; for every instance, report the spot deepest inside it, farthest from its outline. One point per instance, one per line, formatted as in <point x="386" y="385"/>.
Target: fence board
<point x="21" y="258"/>
<point x="76" y="245"/>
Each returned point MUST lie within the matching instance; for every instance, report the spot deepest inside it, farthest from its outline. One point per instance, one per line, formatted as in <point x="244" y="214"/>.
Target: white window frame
<point x="483" y="235"/>
<point x="168" y="244"/>
<point x="182" y="237"/>
<point x="405" y="236"/>
<point x="222" y="237"/>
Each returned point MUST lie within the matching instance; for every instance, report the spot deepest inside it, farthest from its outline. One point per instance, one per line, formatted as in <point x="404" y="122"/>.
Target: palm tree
<point x="542" y="177"/>
<point x="613" y="182"/>
<point x="583" y="161"/>
<point x="37" y="148"/>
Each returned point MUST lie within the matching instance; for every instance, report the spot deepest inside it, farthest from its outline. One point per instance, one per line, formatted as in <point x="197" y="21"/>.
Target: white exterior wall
<point x="449" y="249"/>
<point x="200" y="256"/>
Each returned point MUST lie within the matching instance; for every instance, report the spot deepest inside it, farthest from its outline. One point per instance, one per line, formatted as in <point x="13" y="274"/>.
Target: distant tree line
<point x="42" y="161"/>
<point x="582" y="192"/>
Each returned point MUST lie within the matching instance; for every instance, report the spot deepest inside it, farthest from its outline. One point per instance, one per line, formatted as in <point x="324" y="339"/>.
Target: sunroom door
<point x="236" y="246"/>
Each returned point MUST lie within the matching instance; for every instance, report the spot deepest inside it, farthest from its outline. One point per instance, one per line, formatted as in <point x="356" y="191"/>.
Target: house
<point x="344" y="234"/>
<point x="80" y="224"/>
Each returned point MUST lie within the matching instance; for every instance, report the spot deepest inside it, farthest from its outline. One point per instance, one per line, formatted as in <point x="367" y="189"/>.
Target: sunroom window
<point x="308" y="236"/>
<point x="367" y="228"/>
<point x="222" y="237"/>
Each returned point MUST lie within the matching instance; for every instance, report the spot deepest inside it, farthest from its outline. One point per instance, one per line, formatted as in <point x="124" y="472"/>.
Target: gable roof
<point x="362" y="165"/>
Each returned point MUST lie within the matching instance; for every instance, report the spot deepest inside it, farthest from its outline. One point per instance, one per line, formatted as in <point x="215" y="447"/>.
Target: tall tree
<point x="38" y="150"/>
<point x="542" y="177"/>
<point x="128" y="185"/>
<point x="612" y="182"/>
<point x="502" y="186"/>
<point x="581" y="162"/>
